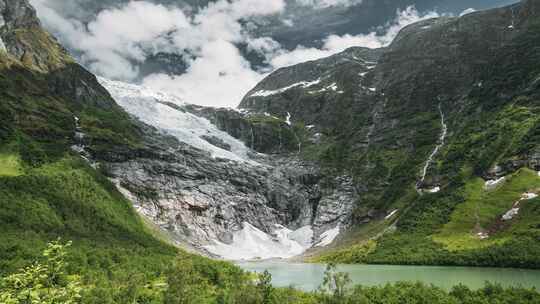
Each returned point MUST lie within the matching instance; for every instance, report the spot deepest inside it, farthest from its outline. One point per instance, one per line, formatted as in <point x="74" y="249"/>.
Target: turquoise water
<point x="309" y="276"/>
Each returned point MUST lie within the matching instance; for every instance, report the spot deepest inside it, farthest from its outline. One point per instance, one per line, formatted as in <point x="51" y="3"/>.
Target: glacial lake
<point x="309" y="276"/>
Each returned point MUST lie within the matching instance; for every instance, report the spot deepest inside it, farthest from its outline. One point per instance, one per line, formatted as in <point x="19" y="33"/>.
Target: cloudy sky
<point x="118" y="39"/>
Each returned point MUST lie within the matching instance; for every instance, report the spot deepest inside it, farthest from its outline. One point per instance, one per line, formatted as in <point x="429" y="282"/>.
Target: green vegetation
<point x="45" y="283"/>
<point x="197" y="280"/>
<point x="10" y="165"/>
<point x="355" y="254"/>
<point x="482" y="209"/>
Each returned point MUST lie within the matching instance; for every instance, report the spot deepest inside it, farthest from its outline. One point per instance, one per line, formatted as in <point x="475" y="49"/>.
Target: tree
<point x="265" y="287"/>
<point x="335" y="286"/>
<point x="43" y="283"/>
<point x="186" y="285"/>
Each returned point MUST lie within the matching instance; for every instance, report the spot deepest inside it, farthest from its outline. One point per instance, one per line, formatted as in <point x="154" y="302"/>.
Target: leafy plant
<point x="43" y="282"/>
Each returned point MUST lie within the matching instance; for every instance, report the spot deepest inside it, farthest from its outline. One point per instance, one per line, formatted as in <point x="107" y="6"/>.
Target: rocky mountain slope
<point x="204" y="186"/>
<point x="209" y="190"/>
<point x="417" y="123"/>
<point x="397" y="152"/>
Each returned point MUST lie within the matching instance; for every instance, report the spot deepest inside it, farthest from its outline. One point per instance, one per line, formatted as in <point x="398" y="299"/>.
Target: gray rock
<point x="199" y="200"/>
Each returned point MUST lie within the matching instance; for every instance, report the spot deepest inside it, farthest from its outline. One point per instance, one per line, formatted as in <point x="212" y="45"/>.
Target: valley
<point x="416" y="160"/>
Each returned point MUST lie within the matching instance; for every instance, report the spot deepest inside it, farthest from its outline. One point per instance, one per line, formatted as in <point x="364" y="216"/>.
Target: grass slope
<point x="482" y="209"/>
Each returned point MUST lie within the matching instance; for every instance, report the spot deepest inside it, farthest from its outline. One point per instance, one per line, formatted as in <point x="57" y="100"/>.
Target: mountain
<point x="421" y="125"/>
<point x="58" y="125"/>
<point x="389" y="145"/>
<point x="424" y="152"/>
<point x="208" y="190"/>
<point x="49" y="106"/>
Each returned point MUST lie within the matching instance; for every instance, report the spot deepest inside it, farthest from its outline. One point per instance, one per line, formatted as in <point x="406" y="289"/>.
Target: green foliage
<point x="355" y="254"/>
<point x="10" y="165"/>
<point x="45" y="282"/>
<point x="265" y="287"/>
<point x="481" y="210"/>
<point x="335" y="286"/>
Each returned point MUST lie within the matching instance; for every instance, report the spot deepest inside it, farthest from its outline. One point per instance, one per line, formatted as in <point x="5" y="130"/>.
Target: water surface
<point x="309" y="276"/>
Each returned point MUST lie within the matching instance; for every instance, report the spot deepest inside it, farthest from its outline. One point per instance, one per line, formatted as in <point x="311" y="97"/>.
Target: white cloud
<point x="219" y="77"/>
<point x="119" y="39"/>
<point x="334" y="44"/>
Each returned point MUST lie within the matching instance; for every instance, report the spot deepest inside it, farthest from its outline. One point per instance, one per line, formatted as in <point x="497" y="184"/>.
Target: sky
<point x="118" y="39"/>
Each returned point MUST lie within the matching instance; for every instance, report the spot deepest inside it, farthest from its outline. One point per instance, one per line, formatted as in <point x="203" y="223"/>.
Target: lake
<point x="309" y="276"/>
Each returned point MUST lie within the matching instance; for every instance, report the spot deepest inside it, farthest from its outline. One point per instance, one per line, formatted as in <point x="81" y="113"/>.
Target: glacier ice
<point x="251" y="243"/>
<point x="152" y="108"/>
<point x="328" y="237"/>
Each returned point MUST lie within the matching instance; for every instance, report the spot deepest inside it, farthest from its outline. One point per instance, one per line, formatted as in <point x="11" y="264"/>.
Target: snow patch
<point x="433" y="190"/>
<point x="151" y="108"/>
<point x="328" y="237"/>
<point x="391" y="214"/>
<point x="332" y="87"/>
<point x="302" y="84"/>
<point x="251" y="243"/>
<point x="510" y="214"/>
<point x="492" y="183"/>
<point x="467" y="11"/>
<point x="528" y="196"/>
<point x="482" y="235"/>
<point x="288" y="120"/>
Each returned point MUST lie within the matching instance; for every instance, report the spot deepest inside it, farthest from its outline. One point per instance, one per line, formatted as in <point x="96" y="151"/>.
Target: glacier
<point x="204" y="203"/>
<point x="153" y="108"/>
<point x="251" y="243"/>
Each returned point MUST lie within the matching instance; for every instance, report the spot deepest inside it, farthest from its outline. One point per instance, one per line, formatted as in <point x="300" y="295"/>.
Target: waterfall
<point x="438" y="147"/>
<point x="252" y="138"/>
<point x="513" y="24"/>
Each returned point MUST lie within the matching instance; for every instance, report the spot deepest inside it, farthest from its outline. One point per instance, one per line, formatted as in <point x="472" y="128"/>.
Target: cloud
<point x="334" y="44"/>
<point x="219" y="77"/>
<point x="119" y="39"/>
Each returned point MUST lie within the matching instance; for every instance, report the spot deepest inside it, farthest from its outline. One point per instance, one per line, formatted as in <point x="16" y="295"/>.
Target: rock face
<point x="373" y="117"/>
<point x="205" y="194"/>
<point x="44" y="89"/>
<point x="377" y="113"/>
<point x="314" y="92"/>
